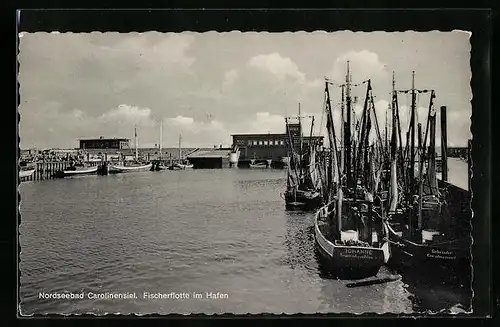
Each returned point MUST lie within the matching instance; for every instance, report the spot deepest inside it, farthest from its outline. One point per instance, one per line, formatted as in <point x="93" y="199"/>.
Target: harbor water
<point x="220" y="240"/>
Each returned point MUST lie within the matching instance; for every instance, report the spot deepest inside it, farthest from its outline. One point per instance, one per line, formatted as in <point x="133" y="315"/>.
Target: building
<point x="215" y="158"/>
<point x="103" y="143"/>
<point x="272" y="146"/>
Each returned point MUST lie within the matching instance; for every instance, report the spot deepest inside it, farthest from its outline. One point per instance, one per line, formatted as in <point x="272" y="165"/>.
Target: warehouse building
<point x="272" y="146"/>
<point x="105" y="143"/>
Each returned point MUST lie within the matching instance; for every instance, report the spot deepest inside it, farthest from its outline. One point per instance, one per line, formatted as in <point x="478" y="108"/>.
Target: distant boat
<point x="132" y="168"/>
<point x="179" y="165"/>
<point x="115" y="169"/>
<point x="258" y="165"/>
<point x="303" y="189"/>
<point x="74" y="171"/>
<point x="183" y="166"/>
<point x="24" y="173"/>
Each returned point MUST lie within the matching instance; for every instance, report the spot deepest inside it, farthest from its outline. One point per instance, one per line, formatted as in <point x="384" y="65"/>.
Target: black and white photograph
<point x="245" y="172"/>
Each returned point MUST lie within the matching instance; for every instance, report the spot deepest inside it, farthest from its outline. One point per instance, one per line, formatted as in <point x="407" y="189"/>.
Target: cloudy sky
<point x="207" y="86"/>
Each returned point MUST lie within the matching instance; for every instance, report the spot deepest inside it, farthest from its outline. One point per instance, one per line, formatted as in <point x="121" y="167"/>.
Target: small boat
<point x="115" y="169"/>
<point x="159" y="167"/>
<point x="77" y="171"/>
<point x="182" y="164"/>
<point x="25" y="173"/>
<point x="133" y="167"/>
<point x="177" y="166"/>
<point x="258" y="165"/>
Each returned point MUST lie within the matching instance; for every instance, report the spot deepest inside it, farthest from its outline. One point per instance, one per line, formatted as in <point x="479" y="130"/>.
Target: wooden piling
<point x="444" y="145"/>
<point x="469" y="165"/>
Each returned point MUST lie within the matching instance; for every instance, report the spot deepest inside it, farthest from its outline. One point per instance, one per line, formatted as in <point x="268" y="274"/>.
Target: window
<point x="249" y="142"/>
<point x="254" y="142"/>
<point x="281" y="142"/>
<point x="265" y="142"/>
<point x="260" y="142"/>
<point x="271" y="142"/>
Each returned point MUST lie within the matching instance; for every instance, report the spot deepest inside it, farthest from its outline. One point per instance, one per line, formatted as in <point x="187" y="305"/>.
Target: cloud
<point x="170" y="50"/>
<point x="127" y="114"/>
<point x="74" y="83"/>
<point x="180" y="121"/>
<point x="363" y="65"/>
<point x="280" y="67"/>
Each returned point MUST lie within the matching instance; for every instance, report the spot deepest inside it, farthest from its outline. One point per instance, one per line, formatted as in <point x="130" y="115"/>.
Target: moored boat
<point x="180" y="166"/>
<point x="77" y="171"/>
<point x="303" y="190"/>
<point x="351" y="254"/>
<point x="255" y="164"/>
<point x="115" y="169"/>
<point x="430" y="229"/>
<point x="136" y="166"/>
<point x="350" y="234"/>
<point x="26" y="172"/>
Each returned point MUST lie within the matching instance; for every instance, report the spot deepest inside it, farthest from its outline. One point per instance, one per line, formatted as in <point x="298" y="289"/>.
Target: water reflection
<point x="427" y="294"/>
<point x="299" y="241"/>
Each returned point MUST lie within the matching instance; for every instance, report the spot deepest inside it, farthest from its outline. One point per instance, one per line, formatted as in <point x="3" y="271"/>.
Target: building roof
<point x="106" y="139"/>
<point x="277" y="135"/>
<point x="216" y="153"/>
<point x="258" y="135"/>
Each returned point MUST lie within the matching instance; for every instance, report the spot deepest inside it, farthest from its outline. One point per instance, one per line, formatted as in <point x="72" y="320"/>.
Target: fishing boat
<point x="135" y="166"/>
<point x="430" y="230"/>
<point x="181" y="164"/>
<point x="76" y="171"/>
<point x="159" y="165"/>
<point x="350" y="234"/>
<point x="303" y="184"/>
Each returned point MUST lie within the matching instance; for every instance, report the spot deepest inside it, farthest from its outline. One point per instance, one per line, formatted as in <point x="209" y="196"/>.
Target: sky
<point x="207" y="86"/>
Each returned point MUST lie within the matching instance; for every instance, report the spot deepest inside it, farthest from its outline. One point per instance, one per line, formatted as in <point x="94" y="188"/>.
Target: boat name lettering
<point x="441" y="252"/>
<point x="437" y="256"/>
<point x="358" y="251"/>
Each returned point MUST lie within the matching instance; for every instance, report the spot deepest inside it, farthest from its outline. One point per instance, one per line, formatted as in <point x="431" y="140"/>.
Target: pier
<point x="49" y="170"/>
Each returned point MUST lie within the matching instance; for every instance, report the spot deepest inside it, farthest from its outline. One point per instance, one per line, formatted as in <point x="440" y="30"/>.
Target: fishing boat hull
<point x="297" y="199"/>
<point x="114" y="169"/>
<point x="78" y="172"/>
<point x="345" y="261"/>
<point x="26" y="173"/>
<point x="448" y="261"/>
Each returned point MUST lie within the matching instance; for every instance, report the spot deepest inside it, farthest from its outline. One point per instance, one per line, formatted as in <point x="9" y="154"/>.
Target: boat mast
<point x="300" y="145"/>
<point x="347" y="139"/>
<point x="412" y="135"/>
<point x="161" y="136"/>
<point x="179" y="148"/>
<point x="386" y="144"/>
<point x="394" y="152"/>
<point x="342" y="131"/>
<point x="136" y="145"/>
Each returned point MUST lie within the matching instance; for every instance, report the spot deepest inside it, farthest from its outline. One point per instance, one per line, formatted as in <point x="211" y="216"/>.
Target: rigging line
<point x="322" y="114"/>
